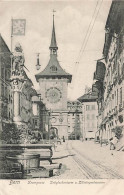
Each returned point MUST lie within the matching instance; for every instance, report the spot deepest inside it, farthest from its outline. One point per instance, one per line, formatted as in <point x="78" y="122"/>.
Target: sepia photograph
<point x="61" y="91"/>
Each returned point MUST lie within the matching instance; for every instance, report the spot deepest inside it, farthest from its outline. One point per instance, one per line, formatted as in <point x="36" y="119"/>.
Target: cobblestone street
<point x="87" y="160"/>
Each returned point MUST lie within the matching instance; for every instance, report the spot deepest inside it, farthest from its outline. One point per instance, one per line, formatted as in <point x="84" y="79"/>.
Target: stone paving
<point x="102" y="155"/>
<point x="69" y="169"/>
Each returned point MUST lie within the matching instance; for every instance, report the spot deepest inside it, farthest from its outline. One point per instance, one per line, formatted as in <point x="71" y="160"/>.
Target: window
<point x="6" y="74"/>
<point x="53" y="68"/>
<point x="92" y="124"/>
<point x="118" y="69"/>
<point x="121" y="95"/>
<point x="93" y="116"/>
<point x="117" y="96"/>
<point x="35" y="122"/>
<point x="93" y="107"/>
<point x="9" y="98"/>
<point x="2" y="92"/>
<point x="88" y="117"/>
<point x="9" y="115"/>
<point x="87" y="107"/>
<point x="2" y="72"/>
<point x="112" y="100"/>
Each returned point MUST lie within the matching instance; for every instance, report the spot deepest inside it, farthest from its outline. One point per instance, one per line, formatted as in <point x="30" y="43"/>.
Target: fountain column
<point x="17" y="80"/>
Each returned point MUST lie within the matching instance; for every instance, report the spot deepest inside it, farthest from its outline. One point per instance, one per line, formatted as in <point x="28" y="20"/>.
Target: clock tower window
<point x="53" y="68"/>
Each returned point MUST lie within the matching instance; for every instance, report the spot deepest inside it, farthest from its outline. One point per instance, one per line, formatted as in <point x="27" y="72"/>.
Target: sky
<point x="72" y="20"/>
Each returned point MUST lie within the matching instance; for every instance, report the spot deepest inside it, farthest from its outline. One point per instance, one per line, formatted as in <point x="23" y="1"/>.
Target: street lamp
<point x="38" y="62"/>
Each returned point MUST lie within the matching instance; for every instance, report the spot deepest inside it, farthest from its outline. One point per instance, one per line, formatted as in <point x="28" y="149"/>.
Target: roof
<point x="89" y="97"/>
<point x="74" y="106"/>
<point x="3" y="46"/>
<point x="35" y="99"/>
<point x="27" y="77"/>
<point x="53" y="38"/>
<point x="116" y="10"/>
<point x="48" y="72"/>
<point x="53" y="68"/>
<point x="114" y="23"/>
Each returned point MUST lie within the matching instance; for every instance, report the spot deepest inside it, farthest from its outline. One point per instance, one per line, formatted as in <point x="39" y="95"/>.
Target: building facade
<point x="75" y="120"/>
<point x="98" y="88"/>
<point x="41" y="117"/>
<point x="6" y="96"/>
<point x="53" y="81"/>
<point x="16" y="91"/>
<point x="90" y="113"/>
<point x="111" y="111"/>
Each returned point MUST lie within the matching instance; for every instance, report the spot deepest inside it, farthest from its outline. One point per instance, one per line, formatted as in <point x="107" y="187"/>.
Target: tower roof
<point x="53" y="68"/>
<point x="53" y="38"/>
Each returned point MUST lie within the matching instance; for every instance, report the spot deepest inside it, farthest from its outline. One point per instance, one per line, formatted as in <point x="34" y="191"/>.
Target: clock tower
<point x="53" y="81"/>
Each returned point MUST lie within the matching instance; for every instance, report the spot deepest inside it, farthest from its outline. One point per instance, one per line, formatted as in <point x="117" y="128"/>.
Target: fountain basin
<point x="27" y="160"/>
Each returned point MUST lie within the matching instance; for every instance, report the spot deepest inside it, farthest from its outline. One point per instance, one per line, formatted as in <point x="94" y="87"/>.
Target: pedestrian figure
<point x="113" y="142"/>
<point x="63" y="139"/>
<point x="54" y="146"/>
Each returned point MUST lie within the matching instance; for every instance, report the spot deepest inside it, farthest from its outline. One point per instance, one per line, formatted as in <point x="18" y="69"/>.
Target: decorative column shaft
<point x="17" y="117"/>
<point x="17" y="80"/>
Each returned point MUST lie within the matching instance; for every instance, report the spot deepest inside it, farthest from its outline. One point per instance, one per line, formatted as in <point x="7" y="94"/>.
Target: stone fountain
<point x="21" y="156"/>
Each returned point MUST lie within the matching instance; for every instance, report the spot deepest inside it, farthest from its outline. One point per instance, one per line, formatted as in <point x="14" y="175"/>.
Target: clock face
<point x="53" y="95"/>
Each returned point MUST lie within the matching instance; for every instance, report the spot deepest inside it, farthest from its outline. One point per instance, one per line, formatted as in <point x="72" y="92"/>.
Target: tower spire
<point x="53" y="46"/>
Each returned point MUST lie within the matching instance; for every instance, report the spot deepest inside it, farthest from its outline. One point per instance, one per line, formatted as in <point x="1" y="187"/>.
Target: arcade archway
<point x="53" y="132"/>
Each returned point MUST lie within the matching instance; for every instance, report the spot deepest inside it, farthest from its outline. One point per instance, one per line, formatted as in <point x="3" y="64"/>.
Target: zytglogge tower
<point x="53" y="81"/>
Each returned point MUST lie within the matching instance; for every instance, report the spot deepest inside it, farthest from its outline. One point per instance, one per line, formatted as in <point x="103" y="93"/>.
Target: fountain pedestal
<point x="27" y="160"/>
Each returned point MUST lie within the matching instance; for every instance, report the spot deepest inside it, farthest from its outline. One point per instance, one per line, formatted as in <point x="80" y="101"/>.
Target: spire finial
<point x="53" y="46"/>
<point x="53" y="13"/>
